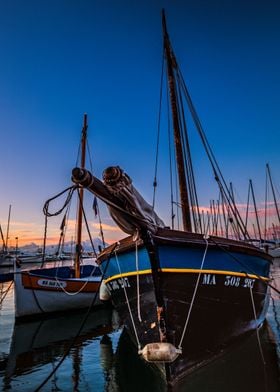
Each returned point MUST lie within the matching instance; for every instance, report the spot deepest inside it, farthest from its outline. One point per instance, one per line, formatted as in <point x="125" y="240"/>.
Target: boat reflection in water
<point x="240" y="368"/>
<point x="36" y="344"/>
<point x="104" y="359"/>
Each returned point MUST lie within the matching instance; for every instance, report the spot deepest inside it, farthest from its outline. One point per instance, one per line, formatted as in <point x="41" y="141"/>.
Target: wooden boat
<point x="183" y="295"/>
<point x="48" y="290"/>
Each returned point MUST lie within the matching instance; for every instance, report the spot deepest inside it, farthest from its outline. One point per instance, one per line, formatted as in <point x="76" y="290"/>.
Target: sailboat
<point x="6" y="257"/>
<point x="58" y="289"/>
<point x="183" y="295"/>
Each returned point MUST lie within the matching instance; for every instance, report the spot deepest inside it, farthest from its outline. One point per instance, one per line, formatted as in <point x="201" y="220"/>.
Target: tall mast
<point x="80" y="202"/>
<point x="255" y="208"/>
<point x="273" y="191"/>
<point x="3" y="239"/>
<point x="171" y="65"/>
<point x="8" y="228"/>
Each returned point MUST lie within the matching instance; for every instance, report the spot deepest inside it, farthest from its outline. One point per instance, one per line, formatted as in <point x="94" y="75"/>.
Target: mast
<point x="3" y="239"/>
<point x="80" y="202"/>
<point x="273" y="191"/>
<point x="171" y="65"/>
<point x="255" y="208"/>
<point x="8" y="228"/>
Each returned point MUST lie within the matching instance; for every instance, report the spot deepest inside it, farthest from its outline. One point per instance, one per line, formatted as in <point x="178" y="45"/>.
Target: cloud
<point x="107" y="227"/>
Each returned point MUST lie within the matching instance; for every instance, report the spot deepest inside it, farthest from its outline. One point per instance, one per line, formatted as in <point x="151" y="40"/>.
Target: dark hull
<point x="230" y="300"/>
<point x="218" y="316"/>
<point x="238" y="368"/>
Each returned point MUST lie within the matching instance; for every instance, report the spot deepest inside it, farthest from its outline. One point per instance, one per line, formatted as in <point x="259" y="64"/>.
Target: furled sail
<point x="126" y="206"/>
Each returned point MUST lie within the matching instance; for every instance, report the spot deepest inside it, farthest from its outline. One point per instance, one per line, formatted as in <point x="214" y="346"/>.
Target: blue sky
<point x="60" y="59"/>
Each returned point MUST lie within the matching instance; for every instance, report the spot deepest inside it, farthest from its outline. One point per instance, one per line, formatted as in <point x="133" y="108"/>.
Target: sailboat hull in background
<point x="230" y="301"/>
<point x="53" y="290"/>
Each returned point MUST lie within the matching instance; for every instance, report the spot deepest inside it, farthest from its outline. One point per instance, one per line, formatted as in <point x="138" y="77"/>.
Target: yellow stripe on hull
<point x="185" y="271"/>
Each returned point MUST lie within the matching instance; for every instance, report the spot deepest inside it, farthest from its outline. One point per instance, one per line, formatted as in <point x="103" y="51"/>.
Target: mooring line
<point x="4" y="294"/>
<point x="79" y="330"/>
<point x="128" y="304"/>
<point x="194" y="295"/>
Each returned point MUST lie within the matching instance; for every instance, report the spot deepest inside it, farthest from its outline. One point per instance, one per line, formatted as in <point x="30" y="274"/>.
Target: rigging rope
<point x="48" y="214"/>
<point x="194" y="294"/>
<point x="87" y="227"/>
<point x="80" y="280"/>
<point x="62" y="231"/>
<point x="158" y="130"/>
<point x="170" y="168"/>
<point x="188" y="162"/>
<point x="137" y="280"/>
<point x="45" y="241"/>
<point x="66" y="227"/>
<point x="127" y="301"/>
<point x="70" y="190"/>
<point x="97" y="205"/>
<point x="214" y="164"/>
<point x="65" y="205"/>
<point x="257" y="330"/>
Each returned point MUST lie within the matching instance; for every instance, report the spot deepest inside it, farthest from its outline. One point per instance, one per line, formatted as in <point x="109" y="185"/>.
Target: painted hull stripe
<point x="185" y="271"/>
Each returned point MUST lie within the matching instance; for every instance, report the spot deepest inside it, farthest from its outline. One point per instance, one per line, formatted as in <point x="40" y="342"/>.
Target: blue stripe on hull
<point x="188" y="258"/>
<point x="215" y="259"/>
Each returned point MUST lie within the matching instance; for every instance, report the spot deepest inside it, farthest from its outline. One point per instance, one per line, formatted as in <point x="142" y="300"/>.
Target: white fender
<point x="104" y="293"/>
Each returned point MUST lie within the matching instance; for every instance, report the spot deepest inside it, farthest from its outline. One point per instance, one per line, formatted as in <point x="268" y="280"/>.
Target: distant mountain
<point x="68" y="246"/>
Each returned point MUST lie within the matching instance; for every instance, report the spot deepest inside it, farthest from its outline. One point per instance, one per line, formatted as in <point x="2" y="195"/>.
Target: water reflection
<point x="104" y="359"/>
<point x="239" y="369"/>
<point x="36" y="344"/>
<point x="245" y="367"/>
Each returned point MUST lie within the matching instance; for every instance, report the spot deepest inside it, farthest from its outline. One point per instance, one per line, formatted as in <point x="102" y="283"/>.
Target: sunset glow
<point x="105" y="60"/>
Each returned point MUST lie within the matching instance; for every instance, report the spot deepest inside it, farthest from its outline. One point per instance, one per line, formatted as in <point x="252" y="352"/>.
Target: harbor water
<point x="48" y="355"/>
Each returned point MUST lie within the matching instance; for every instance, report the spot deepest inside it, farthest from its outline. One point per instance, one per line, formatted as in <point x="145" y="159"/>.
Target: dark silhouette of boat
<point x="183" y="295"/>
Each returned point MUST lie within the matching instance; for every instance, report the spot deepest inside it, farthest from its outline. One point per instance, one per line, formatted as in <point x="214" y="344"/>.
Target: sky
<point x="63" y="58"/>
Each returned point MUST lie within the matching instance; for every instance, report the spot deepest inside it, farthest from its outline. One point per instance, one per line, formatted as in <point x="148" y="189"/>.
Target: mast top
<point x="177" y="117"/>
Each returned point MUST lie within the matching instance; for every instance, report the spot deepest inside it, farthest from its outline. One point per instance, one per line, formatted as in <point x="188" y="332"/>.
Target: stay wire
<point x="66" y="224"/>
<point x="80" y="328"/>
<point x="247" y="207"/>
<point x="170" y="165"/>
<point x="128" y="303"/>
<point x="87" y="226"/>
<point x="189" y="164"/>
<point x="186" y="157"/>
<point x="216" y="169"/>
<point x="194" y="293"/>
<point x="44" y="241"/>
<point x="97" y="205"/>
<point x="265" y="205"/>
<point x="62" y="234"/>
<point x="158" y="130"/>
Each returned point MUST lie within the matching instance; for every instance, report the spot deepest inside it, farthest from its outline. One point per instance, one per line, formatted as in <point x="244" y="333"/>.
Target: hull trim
<point x="186" y="271"/>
